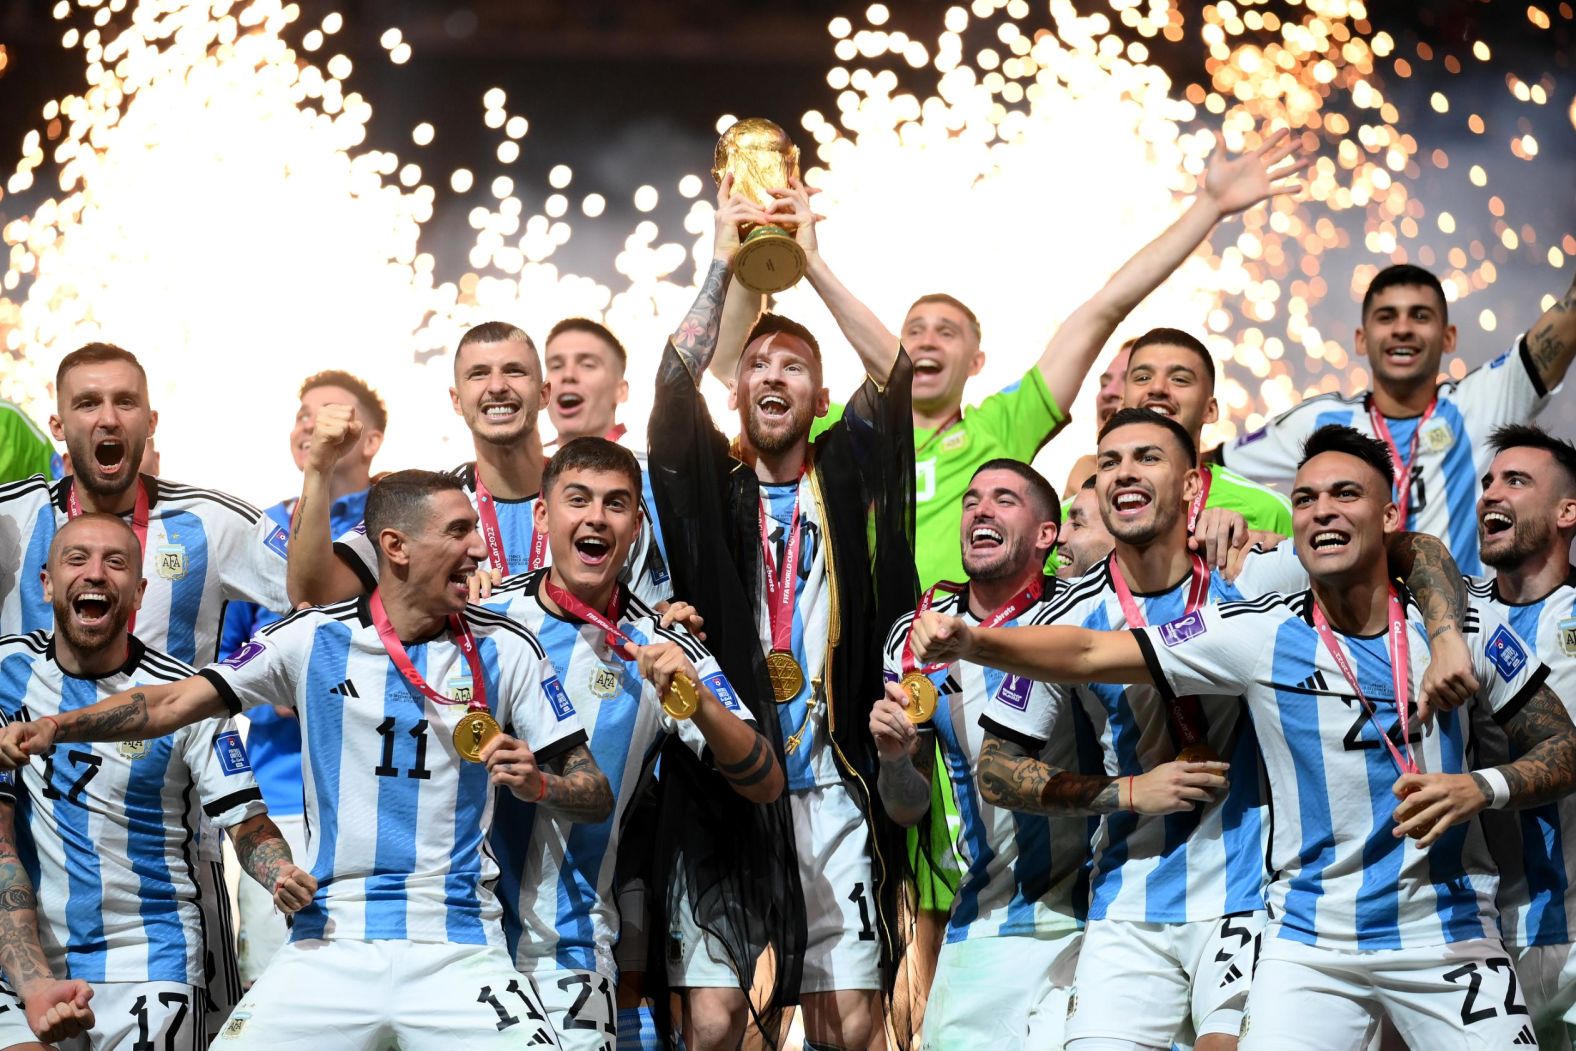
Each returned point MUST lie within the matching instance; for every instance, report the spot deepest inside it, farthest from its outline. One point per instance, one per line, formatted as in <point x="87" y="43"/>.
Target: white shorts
<point x="1548" y="981"/>
<point x="1190" y="978"/>
<point x="1001" y="994"/>
<point x="224" y="974"/>
<point x="262" y="929"/>
<point x="167" y="1016"/>
<point x="841" y="947"/>
<point x="347" y="995"/>
<point x="581" y="1006"/>
<point x="1462" y="996"/>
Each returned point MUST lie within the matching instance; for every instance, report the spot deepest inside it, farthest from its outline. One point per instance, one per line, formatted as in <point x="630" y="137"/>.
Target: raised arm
<point x="1047" y="653"/>
<point x="315" y="574"/>
<point x="696" y="337"/>
<point x="740" y="311"/>
<point x="1232" y="183"/>
<point x="56" y="1009"/>
<point x="874" y="343"/>
<point x="135" y="715"/>
<point x="265" y="856"/>
<point x="1009" y="776"/>
<point x="1552" y="341"/>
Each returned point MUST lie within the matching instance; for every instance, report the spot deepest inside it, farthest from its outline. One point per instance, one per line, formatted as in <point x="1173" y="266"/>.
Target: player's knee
<point x="839" y="1021"/>
<point x="713" y="1019"/>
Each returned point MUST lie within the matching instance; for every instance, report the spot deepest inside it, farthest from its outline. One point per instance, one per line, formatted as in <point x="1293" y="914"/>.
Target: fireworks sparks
<point x="209" y="198"/>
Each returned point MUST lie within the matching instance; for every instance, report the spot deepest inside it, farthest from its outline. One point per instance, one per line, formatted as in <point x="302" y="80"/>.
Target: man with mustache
<point x="1437" y="432"/>
<point x="1526" y="522"/>
<point x="1380" y="909"/>
<point x="498" y="390"/>
<point x="414" y="708"/>
<point x="110" y="829"/>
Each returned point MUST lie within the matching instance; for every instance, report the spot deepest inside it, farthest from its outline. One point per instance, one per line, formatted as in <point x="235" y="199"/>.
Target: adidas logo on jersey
<point x="346" y="689"/>
<point x="1525" y="1038"/>
<point x="1232" y="974"/>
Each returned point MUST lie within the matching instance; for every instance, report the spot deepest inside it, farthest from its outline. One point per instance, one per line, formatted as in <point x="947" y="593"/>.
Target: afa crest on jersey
<point x="1568" y="636"/>
<point x="132" y="750"/>
<point x="1437" y="437"/>
<point x="460" y="688"/>
<point x="170" y="560"/>
<point x="604" y="681"/>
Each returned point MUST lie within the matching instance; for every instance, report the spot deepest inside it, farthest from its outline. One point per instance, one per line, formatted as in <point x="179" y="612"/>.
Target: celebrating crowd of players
<point x="850" y="714"/>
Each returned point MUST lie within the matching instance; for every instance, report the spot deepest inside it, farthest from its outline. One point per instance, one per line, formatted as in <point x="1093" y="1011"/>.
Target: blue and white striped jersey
<point x="807" y="746"/>
<point x="107" y="830"/>
<point x="1172" y="868"/>
<point x="395" y="818"/>
<point x="1452" y="453"/>
<point x="559" y="908"/>
<point x="1023" y="874"/>
<point x="204" y="548"/>
<point x="1339" y="877"/>
<point x="1534" y="848"/>
<point x="645" y="571"/>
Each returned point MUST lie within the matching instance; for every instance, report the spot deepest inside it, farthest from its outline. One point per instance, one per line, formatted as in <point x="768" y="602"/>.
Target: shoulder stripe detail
<point x="685" y="641"/>
<point x="342" y="610"/>
<point x="23" y="486"/>
<point x="486" y="617"/>
<point x="1262" y="604"/>
<point x="170" y="490"/>
<point x="37" y="641"/>
<point x="1088" y="586"/>
<point x="163" y="664"/>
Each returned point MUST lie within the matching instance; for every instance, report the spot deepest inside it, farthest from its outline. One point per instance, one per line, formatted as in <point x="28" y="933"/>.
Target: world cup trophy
<point x="760" y="156"/>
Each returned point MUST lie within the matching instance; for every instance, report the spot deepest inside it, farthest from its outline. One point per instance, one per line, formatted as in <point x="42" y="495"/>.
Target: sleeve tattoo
<point x="261" y="850"/>
<point x="21" y="958"/>
<point x="1433" y="578"/>
<point x="696" y="337"/>
<point x="1012" y="778"/>
<point x="1550" y="344"/>
<point x="1543" y="734"/>
<point x="904" y="783"/>
<point x="576" y="788"/>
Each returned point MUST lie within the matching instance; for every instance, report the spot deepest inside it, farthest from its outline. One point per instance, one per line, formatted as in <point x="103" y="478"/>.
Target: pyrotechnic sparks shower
<point x="209" y="200"/>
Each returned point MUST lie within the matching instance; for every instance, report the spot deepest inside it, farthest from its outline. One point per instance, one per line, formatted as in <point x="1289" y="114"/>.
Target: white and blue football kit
<point x="397" y="825"/>
<point x="645" y="572"/>
<point x="1175" y="900"/>
<point x="1018" y="909"/>
<point x="107" y="832"/>
<point x="1452" y="452"/>
<point x="1362" y="924"/>
<point x="560" y="916"/>
<point x="1535" y="848"/>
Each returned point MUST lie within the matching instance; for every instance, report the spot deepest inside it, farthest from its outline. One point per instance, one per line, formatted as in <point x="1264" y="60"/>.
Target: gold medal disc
<point x="1418" y="833"/>
<point x="472" y="733"/>
<point x="921" y="697"/>
<point x="1197" y="753"/>
<point x="786" y="675"/>
<point x="681" y="699"/>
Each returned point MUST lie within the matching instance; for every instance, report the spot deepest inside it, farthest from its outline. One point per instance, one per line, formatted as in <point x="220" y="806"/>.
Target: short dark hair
<point x="495" y="332"/>
<point x="399" y="500"/>
<point x="1529" y="436"/>
<point x="951" y="301"/>
<point x="592" y="453"/>
<point x="1406" y="275"/>
<point x="1131" y="416"/>
<point x="1042" y="491"/>
<point x="93" y="516"/>
<point x="376" y="412"/>
<point x="770" y="324"/>
<point x="594" y="328"/>
<point x="97" y="354"/>
<point x="1339" y="438"/>
<point x="1175" y="337"/>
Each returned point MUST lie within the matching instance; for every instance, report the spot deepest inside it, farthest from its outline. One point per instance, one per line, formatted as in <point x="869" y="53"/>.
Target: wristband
<point x="1495" y="779"/>
<point x="543" y="793"/>
<point x="53" y="722"/>
<point x="1130" y="805"/>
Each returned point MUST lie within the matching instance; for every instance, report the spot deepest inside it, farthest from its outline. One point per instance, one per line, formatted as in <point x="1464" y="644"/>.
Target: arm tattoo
<point x="1550" y="348"/>
<point x="295" y="518"/>
<point x="1012" y="778"/>
<point x="904" y="783"/>
<point x="21" y="958"/>
<point x="752" y="769"/>
<point x="1543" y="734"/>
<point x="1432" y="576"/>
<point x="577" y="789"/>
<point x="121" y="722"/>
<point x="261" y="850"/>
<point x="696" y="337"/>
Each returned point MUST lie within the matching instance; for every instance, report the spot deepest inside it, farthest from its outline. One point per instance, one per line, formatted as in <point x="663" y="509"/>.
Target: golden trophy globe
<point x="760" y="156"/>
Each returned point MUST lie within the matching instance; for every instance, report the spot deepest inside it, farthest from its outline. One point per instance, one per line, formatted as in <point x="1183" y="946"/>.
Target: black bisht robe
<point x="708" y="501"/>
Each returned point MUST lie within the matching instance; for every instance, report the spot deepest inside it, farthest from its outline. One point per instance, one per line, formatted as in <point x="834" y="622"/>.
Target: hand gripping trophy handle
<point x="760" y="156"/>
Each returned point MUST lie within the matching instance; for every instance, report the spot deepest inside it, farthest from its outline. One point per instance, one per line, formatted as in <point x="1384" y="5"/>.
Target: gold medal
<point x="1200" y="752"/>
<point x="1422" y="830"/>
<point x="472" y="732"/>
<point x="921" y="697"/>
<point x="681" y="699"/>
<point x="786" y="675"/>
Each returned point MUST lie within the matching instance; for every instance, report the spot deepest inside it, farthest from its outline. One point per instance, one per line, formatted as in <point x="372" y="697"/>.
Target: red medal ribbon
<point x="488" y="513"/>
<point x="1400" y="670"/>
<point x="396" y="649"/>
<point x="1403" y="468"/>
<point x="780" y="583"/>
<point x="946" y="425"/>
<point x="1206" y="475"/>
<point x="1187" y="714"/>
<point x="139" y="525"/>
<point x="1001" y="615"/>
<point x="607" y="622"/>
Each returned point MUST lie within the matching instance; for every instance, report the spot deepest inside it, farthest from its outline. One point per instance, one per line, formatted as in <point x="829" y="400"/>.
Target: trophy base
<point x="769" y="260"/>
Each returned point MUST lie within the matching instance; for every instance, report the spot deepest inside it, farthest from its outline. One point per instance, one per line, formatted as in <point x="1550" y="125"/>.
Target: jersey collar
<point x="134" y="651"/>
<point x="1569" y="581"/>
